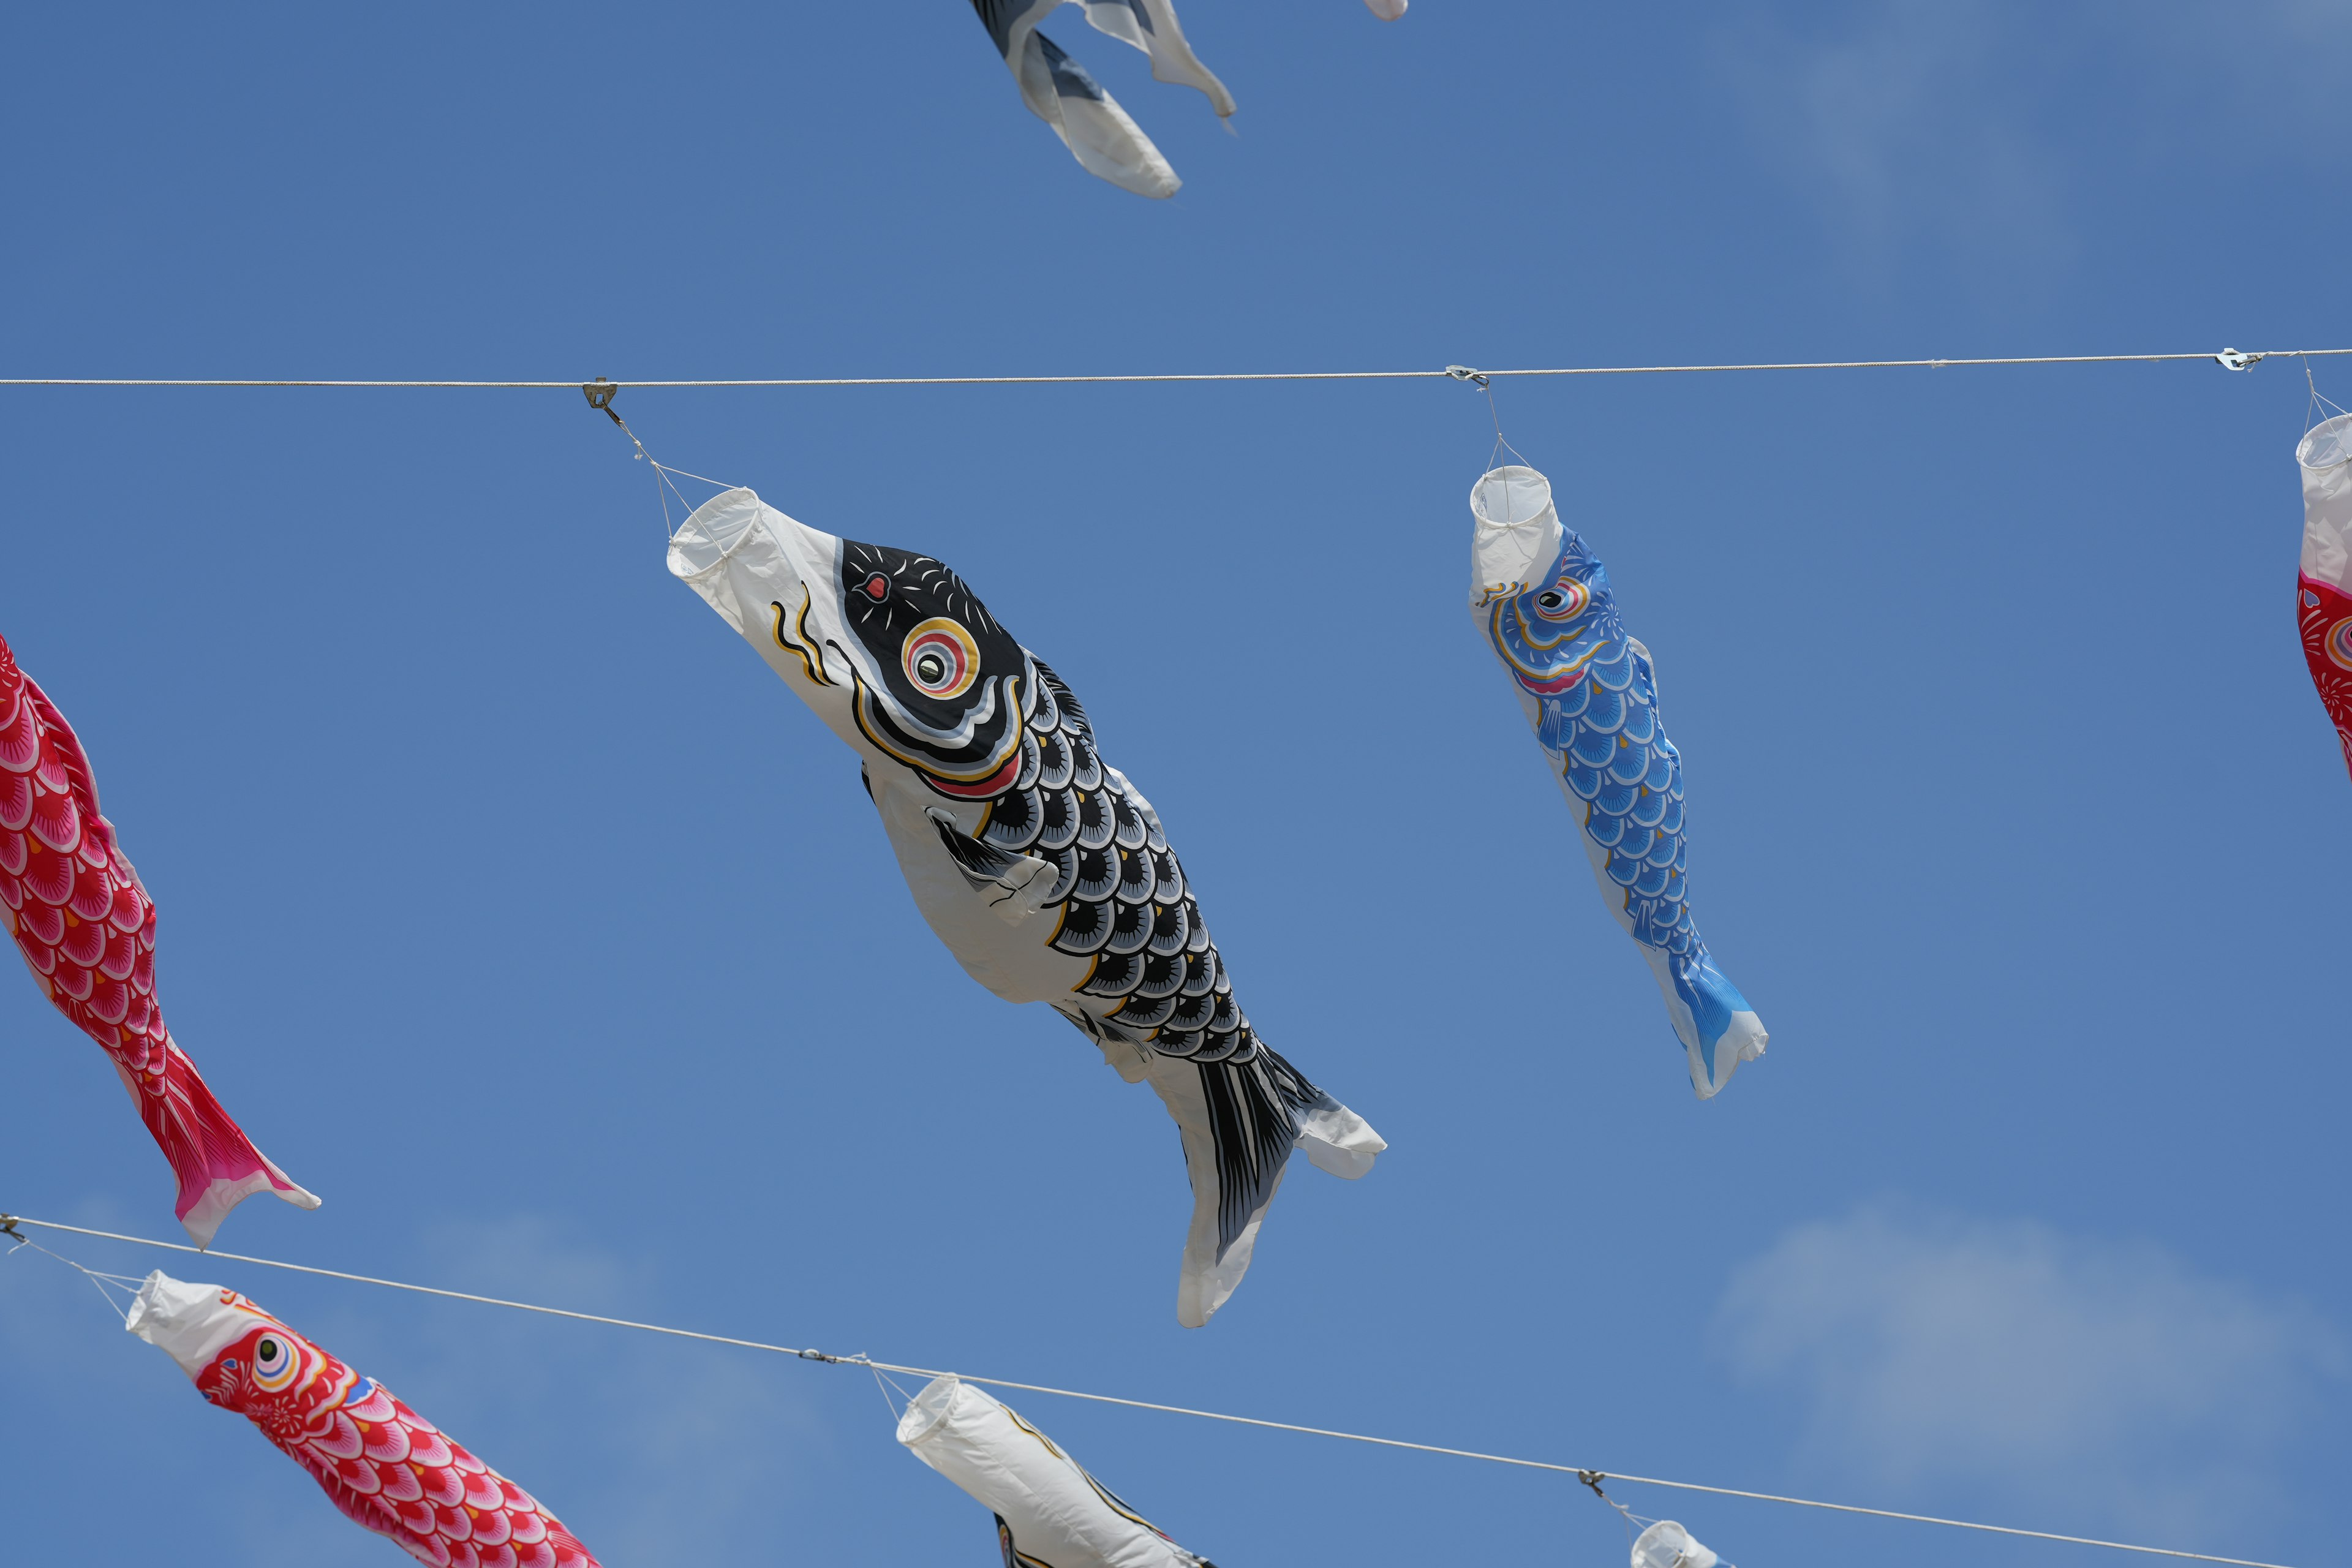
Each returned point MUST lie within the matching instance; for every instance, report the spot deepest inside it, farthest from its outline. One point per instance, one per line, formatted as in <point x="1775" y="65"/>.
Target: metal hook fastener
<point x="1593" y="1479"/>
<point x="2230" y="359"/>
<point x="600" y="394"/>
<point x="8" y="1227"/>
<point x="1463" y="372"/>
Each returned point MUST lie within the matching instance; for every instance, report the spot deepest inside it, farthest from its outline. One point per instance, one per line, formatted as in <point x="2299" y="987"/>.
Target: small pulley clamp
<point x="600" y="394"/>
<point x="2230" y="359"/>
<point x="1463" y="372"/>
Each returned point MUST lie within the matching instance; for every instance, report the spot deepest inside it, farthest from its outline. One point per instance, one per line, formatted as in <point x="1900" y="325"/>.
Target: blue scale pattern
<point x="1597" y="718"/>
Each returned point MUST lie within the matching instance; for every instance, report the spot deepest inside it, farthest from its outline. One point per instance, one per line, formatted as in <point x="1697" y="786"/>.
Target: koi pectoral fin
<point x="1013" y="887"/>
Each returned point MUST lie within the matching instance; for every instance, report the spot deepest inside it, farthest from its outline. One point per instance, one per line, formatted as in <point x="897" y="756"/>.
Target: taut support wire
<point x="1588" y="1476"/>
<point x="2229" y="358"/>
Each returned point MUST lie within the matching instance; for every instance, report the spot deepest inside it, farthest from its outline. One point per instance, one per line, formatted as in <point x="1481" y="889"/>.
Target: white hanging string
<point x="2320" y="407"/>
<point x="1635" y="1523"/>
<point x="1589" y="1477"/>
<point x="664" y="470"/>
<point x="105" y="1283"/>
<point x="2231" y="358"/>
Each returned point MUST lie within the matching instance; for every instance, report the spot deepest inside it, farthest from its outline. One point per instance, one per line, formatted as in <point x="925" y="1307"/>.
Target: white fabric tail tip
<point x="1335" y="1138"/>
<point x="1744" y="1041"/>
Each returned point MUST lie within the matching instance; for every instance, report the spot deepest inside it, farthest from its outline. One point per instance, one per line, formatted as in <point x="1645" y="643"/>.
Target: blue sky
<point x="514" y="909"/>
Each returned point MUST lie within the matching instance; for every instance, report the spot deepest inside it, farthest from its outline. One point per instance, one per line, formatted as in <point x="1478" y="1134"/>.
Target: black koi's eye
<point x="940" y="657"/>
<point x="876" y="587"/>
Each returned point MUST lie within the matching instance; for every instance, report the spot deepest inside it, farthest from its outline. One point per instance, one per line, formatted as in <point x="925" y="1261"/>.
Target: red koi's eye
<point x="275" y="1363"/>
<point x="876" y="587"/>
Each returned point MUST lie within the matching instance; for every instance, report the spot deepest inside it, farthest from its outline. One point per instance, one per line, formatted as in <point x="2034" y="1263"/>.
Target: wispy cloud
<point x="1980" y="127"/>
<point x="1935" y="1351"/>
<point x="1905" y="120"/>
<point x="717" y="1445"/>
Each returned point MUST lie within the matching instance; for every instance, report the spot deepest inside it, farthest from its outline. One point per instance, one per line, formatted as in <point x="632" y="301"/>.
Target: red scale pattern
<point x="86" y="929"/>
<point x="386" y="1467"/>
<point x="2325" y="613"/>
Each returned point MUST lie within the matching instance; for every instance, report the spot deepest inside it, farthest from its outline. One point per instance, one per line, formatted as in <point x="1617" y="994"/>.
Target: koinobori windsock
<point x="386" y="1467"/>
<point x="1050" y="1513"/>
<point x="2323" y="598"/>
<point x="1059" y="91"/>
<point x="1039" y="864"/>
<point x="86" y="929"/>
<point x="1545" y="605"/>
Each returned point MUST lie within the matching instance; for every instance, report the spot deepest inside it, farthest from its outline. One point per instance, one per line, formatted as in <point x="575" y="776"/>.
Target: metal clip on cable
<point x="600" y="394"/>
<point x="1463" y="372"/>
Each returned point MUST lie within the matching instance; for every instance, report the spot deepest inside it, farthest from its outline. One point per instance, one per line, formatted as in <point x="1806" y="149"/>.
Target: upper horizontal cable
<point x="1198" y="375"/>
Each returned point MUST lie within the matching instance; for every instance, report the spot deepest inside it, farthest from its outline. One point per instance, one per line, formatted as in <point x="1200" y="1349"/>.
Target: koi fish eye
<point x="275" y="1362"/>
<point x="940" y="657"/>
<point x="875" y="587"/>
<point x="1563" y="601"/>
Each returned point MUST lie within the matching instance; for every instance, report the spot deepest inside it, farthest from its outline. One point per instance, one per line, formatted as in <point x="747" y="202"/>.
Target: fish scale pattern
<point x="86" y="928"/>
<point x="2324" y="616"/>
<point x="1597" y="716"/>
<point x="1119" y="897"/>
<point x="1592" y="695"/>
<point x="1614" y="756"/>
<point x="391" y="1471"/>
<point x="385" y="1467"/>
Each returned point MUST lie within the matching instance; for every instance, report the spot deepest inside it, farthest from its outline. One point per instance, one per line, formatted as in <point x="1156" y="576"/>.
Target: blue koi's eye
<point x="1563" y="601"/>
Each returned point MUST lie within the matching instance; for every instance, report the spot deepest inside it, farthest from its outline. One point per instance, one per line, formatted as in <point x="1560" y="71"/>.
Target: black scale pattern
<point x="1122" y="894"/>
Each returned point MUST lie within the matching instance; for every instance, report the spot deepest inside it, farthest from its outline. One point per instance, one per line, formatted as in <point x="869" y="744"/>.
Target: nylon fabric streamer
<point x="1042" y="867"/>
<point x="1544" y="603"/>
<point x="1050" y="1513"/>
<point x="1105" y="141"/>
<point x="86" y="929"/>
<point x="7" y="1223"/>
<point x="385" y="1467"/>
<point x="2324" y="585"/>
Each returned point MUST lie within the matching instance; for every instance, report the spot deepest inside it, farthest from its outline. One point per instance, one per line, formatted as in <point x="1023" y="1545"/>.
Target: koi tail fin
<point x="1240" y="1120"/>
<point x="1716" y="1026"/>
<point x="217" y="1165"/>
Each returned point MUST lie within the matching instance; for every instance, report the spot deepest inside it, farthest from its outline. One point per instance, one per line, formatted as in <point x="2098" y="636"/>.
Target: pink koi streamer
<point x="87" y="929"/>
<point x="386" y="1467"/>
